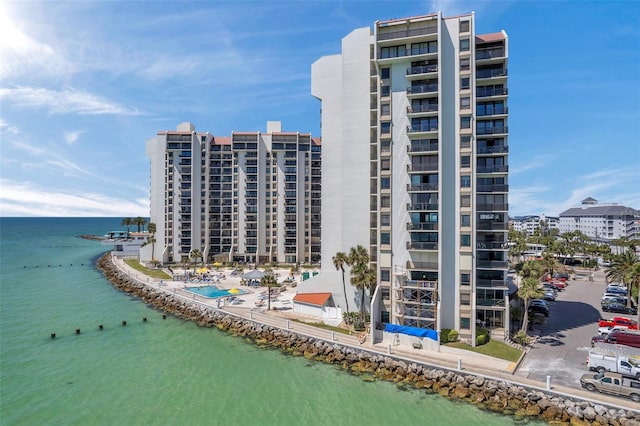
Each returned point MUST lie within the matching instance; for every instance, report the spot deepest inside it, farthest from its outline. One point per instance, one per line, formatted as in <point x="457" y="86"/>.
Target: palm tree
<point x="139" y="222"/>
<point x="195" y="254"/>
<point x="269" y="281"/>
<point x="339" y="260"/>
<point x="530" y="289"/>
<point x="127" y="221"/>
<point x="622" y="270"/>
<point x="549" y="263"/>
<point x="152" y="240"/>
<point x="360" y="278"/>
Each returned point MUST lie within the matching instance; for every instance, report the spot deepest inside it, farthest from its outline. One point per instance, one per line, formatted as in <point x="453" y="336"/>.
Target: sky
<point x="83" y="85"/>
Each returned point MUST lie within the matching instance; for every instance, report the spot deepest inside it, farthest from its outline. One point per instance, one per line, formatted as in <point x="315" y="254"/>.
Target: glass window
<point x="385" y="164"/>
<point x="464" y="26"/>
<point x="465" y="102"/>
<point x="385" y="220"/>
<point x="385" y="183"/>
<point x="465" y="240"/>
<point x="465" y="181"/>
<point x="465" y="299"/>
<point x="465" y="141"/>
<point x="385" y="293"/>
<point x="385" y="127"/>
<point x="465" y="64"/>
<point x="385" y="201"/>
<point x="385" y="73"/>
<point x="385" y="238"/>
<point x="465" y="200"/>
<point x="465" y="82"/>
<point x="465" y="279"/>
<point x="465" y="323"/>
<point x="385" y="109"/>
<point x="465" y="122"/>
<point x="465" y="161"/>
<point x="465" y="220"/>
<point x="464" y="45"/>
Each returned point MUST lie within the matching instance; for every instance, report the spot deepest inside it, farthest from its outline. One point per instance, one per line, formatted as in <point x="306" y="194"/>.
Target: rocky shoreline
<point x="493" y="395"/>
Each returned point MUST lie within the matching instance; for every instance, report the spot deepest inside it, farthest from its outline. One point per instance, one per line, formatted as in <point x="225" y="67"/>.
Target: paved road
<point x="565" y="339"/>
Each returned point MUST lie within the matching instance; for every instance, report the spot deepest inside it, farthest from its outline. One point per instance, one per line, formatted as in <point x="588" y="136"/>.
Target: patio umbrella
<point x="202" y="271"/>
<point x="234" y="291"/>
<point x="253" y="275"/>
<point x="217" y="264"/>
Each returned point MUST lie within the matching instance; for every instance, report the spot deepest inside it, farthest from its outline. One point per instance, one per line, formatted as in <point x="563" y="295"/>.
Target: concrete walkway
<point x="446" y="357"/>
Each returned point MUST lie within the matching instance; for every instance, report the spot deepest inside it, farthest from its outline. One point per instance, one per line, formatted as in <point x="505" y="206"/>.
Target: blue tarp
<point x="411" y="331"/>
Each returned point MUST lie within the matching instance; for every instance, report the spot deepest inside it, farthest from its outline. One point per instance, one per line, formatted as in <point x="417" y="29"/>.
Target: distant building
<point x="602" y="222"/>
<point x="248" y="197"/>
<point x="529" y="224"/>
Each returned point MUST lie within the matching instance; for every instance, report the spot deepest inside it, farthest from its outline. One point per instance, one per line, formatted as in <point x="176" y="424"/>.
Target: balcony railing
<point x="422" y="265"/>
<point x="423" y="147"/>
<point x="422" y="206"/>
<point x="494" y="111"/>
<point x="424" y="127"/>
<point x="489" y="54"/>
<point x="491" y="73"/>
<point x="490" y="302"/>
<point x="492" y="188"/>
<point x="407" y="33"/>
<point x="422" y="167"/>
<point x="483" y="92"/>
<point x="429" y="285"/>
<point x="422" y="108"/>
<point x="421" y="245"/>
<point x="422" y="69"/>
<point x="492" y="207"/>
<point x="490" y="283"/>
<point x="425" y="88"/>
<point x="492" y="263"/>
<point x="422" y="226"/>
<point x="423" y="187"/>
<point x="492" y="130"/>
<point x="500" y="149"/>
<point x="503" y="168"/>
<point x="491" y="226"/>
<point x="492" y="245"/>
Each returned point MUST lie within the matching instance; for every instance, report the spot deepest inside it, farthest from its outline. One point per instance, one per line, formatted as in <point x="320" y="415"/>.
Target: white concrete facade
<point x="601" y="222"/>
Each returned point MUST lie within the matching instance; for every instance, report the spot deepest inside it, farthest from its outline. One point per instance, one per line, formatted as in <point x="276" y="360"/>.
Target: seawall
<point x="494" y="395"/>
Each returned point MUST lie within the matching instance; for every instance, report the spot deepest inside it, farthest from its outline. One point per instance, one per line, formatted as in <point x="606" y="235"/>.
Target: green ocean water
<point x="159" y="372"/>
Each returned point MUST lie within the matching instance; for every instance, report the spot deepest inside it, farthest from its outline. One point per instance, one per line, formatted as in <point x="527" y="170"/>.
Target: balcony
<point x="492" y="188"/>
<point x="500" y="149"/>
<point x="480" y="282"/>
<point x="425" y="88"/>
<point x="491" y="226"/>
<point x="407" y="33"/>
<point x="421" y="245"/>
<point x="433" y="266"/>
<point x="422" y="207"/>
<point x="425" y="69"/>
<point x="420" y="167"/>
<point x="489" y="54"/>
<point x="425" y="226"/>
<point x="490" y="302"/>
<point x="492" y="130"/>
<point x="422" y="187"/>
<point x="492" y="207"/>
<point x="494" y="73"/>
<point x="494" y="111"/>
<point x="484" y="92"/>
<point x="502" y="168"/>
<point x="492" y="264"/>
<point x="416" y="148"/>
<point x="419" y="284"/>
<point x="492" y="245"/>
<point x="422" y="108"/>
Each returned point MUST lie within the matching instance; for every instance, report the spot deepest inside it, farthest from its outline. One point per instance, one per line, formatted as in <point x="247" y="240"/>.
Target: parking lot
<point x="565" y="338"/>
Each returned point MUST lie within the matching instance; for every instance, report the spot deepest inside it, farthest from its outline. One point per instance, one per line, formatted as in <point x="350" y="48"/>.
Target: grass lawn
<point x="153" y="273"/>
<point x="324" y="326"/>
<point x="493" y="348"/>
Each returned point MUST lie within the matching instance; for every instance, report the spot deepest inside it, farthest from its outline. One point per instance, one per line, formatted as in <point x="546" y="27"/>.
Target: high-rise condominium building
<point x="600" y="221"/>
<point x="415" y="169"/>
<point x="248" y="197"/>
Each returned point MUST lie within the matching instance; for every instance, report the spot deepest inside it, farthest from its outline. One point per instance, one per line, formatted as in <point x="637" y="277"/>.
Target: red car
<point x="560" y="285"/>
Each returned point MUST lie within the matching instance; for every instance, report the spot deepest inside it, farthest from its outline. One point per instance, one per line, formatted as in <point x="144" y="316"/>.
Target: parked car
<point x="561" y="276"/>
<point x="611" y="322"/>
<point x="612" y="298"/>
<point x="623" y="364"/>
<point x="538" y="309"/>
<point x="612" y="383"/>
<point x="550" y="295"/>
<point x="560" y="285"/>
<point x="619" y="308"/>
<point x="614" y="289"/>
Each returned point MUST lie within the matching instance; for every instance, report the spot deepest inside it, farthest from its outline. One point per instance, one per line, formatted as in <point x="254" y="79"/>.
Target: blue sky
<point x="83" y="85"/>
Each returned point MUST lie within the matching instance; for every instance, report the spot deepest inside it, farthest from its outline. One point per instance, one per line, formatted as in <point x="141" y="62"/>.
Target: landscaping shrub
<point x="482" y="336"/>
<point x="448" y="335"/>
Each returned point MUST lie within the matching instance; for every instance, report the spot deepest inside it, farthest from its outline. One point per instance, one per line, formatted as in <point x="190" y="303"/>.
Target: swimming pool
<point x="213" y="292"/>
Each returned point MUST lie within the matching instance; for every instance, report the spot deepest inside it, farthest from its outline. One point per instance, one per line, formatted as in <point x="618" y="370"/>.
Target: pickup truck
<point x="605" y="331"/>
<point x="628" y="366"/>
<point x="612" y="383"/>
<point x="628" y="322"/>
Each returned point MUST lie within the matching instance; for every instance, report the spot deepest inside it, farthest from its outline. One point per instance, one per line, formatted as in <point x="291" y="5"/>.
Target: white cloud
<point x="538" y="162"/>
<point x="72" y="137"/>
<point x="28" y="199"/>
<point x="64" y="102"/>
<point x="7" y="129"/>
